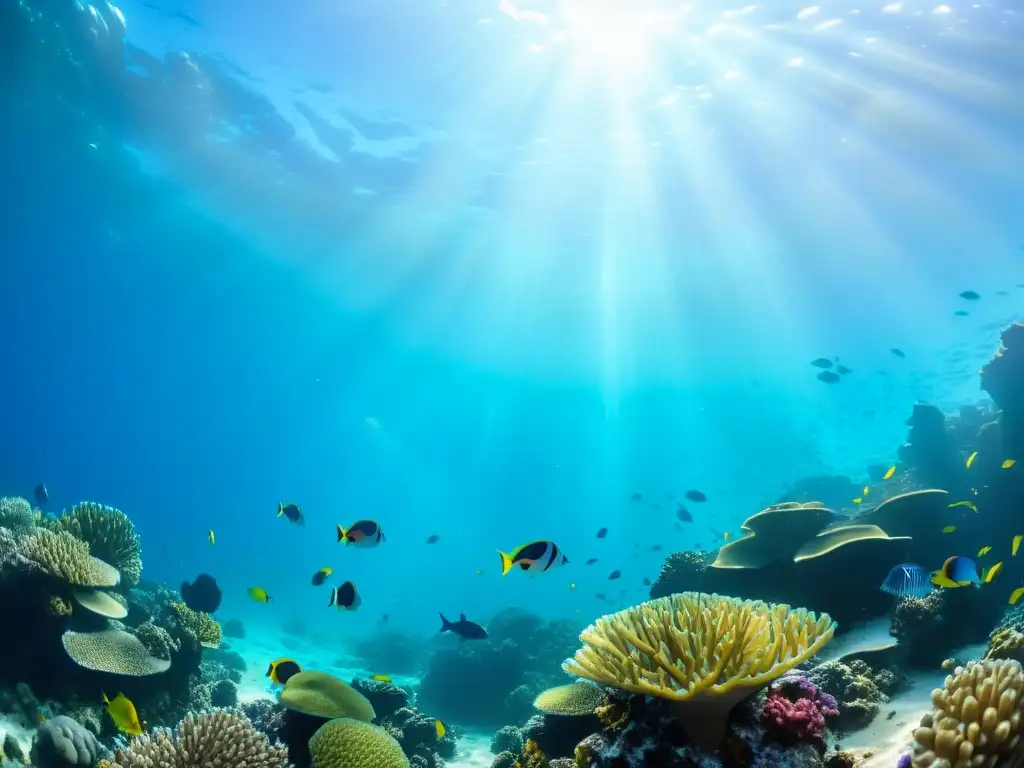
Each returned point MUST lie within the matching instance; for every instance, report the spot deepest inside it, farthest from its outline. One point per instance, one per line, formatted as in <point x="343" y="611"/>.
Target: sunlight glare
<point x="610" y="32"/>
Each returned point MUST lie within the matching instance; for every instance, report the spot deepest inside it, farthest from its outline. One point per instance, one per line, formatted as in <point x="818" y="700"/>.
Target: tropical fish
<point x="433" y="538"/>
<point x="889" y="473"/>
<point x="464" y="628"/>
<point x="683" y="514"/>
<point x="1016" y="544"/>
<point x="346" y="597"/>
<point x="899" y="353"/>
<point x="602" y="533"/>
<point x="535" y="557"/>
<point x="122" y="712"/>
<point x="41" y="494"/>
<point x="281" y="669"/>
<point x="381" y="678"/>
<point x="259" y="594"/>
<point x="1015" y="595"/>
<point x="971" y="458"/>
<point x="1008" y="463"/>
<point x="362" y="533"/>
<point x="828" y="377"/>
<point x="961" y="313"/>
<point x="969" y="504"/>
<point x="957" y="571"/>
<point x="695" y="496"/>
<point x="866" y="490"/>
<point x="614" y="575"/>
<point x="992" y="572"/>
<point x="949" y="529"/>
<point x="292" y="512"/>
<point x="970" y="295"/>
<point x="821" y="362"/>
<point x="591" y="561"/>
<point x="842" y="370"/>
<point x="906" y="580"/>
<point x="439" y="729"/>
<point x="203" y="594"/>
<point x="647" y="582"/>
<point x="321" y="576"/>
<point x="210" y="537"/>
<point x="984" y="551"/>
<point x="726" y="535"/>
<point x="858" y="500"/>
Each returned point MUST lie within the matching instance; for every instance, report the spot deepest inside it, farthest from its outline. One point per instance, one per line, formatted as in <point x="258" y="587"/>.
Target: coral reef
<point x="520" y="659"/>
<point x="322" y="695"/>
<point x="1001" y="377"/>
<point x="16" y="515"/>
<point x="579" y="698"/>
<point x="114" y="651"/>
<point x="930" y="454"/>
<point x="507" y="739"/>
<point x="345" y="743"/>
<point x="929" y="628"/>
<point x="795" y="710"/>
<point x="704" y="653"/>
<point x="66" y="558"/>
<point x="203" y="625"/>
<point x="110" y="537"/>
<point x="63" y="743"/>
<point x="859" y="691"/>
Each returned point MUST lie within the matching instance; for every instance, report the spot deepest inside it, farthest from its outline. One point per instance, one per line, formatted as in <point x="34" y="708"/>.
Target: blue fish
<point x="957" y="571"/>
<point x="907" y="580"/>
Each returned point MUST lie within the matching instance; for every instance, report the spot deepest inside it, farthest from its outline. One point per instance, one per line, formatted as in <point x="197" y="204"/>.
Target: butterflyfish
<point x="535" y="557"/>
<point x="362" y="533"/>
<point x="439" y="729"/>
<point x="292" y="512"/>
<point x="259" y="594"/>
<point x="280" y="670"/>
<point x="993" y="572"/>
<point x="122" y="712"/>
<point x="1008" y="463"/>
<point x="889" y="473"/>
<point x="381" y="678"/>
<point x="321" y="576"/>
<point x="346" y="597"/>
<point x="984" y="551"/>
<point x="1015" y="595"/>
<point x="858" y="500"/>
<point x="971" y="458"/>
<point x="1016" y="544"/>
<point x="957" y="571"/>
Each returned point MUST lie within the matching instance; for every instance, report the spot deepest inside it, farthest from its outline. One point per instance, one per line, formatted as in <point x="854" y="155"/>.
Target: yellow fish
<point x="992" y="572"/>
<point x="943" y="581"/>
<point x="572" y="586"/>
<point x="281" y="670"/>
<point x="889" y="473"/>
<point x="984" y="551"/>
<point x="726" y="535"/>
<point x="971" y="458"/>
<point x="858" y="500"/>
<point x="866" y="489"/>
<point x="381" y="678"/>
<point x="1016" y="544"/>
<point x="1015" y="595"/>
<point x="211" y="538"/>
<point x="1008" y="463"/>
<point x="122" y="712"/>
<point x="968" y="504"/>
<point x="949" y="529"/>
<point x="439" y="729"/>
<point x="259" y="594"/>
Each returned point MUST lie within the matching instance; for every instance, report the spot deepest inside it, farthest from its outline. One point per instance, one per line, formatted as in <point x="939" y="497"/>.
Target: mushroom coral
<point x="705" y="653"/>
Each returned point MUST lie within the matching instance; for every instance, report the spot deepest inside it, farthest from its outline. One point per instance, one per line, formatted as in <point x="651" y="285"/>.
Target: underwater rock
<point x="930" y="455"/>
<point x="1003" y="378"/>
<point x="509" y="738"/>
<point x="63" y="743"/>
<point x="929" y="628"/>
<point x="416" y="734"/>
<point x="558" y="735"/>
<point x="223" y="693"/>
<point x="386" y="698"/>
<point x="505" y="760"/>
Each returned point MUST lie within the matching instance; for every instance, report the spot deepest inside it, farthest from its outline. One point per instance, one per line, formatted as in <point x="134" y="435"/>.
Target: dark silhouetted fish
<point x="203" y="594"/>
<point x="602" y="533"/>
<point x="821" y="362"/>
<point x="647" y="582"/>
<point x="41" y="494"/>
<point x="464" y="628"/>
<point x="961" y="313"/>
<point x="842" y="370"/>
<point x="433" y="539"/>
<point x="696" y="496"/>
<point x="970" y="295"/>
<point x="292" y="512"/>
<point x="899" y="353"/>
<point x="636" y="496"/>
<point x="614" y="575"/>
<point x="591" y="561"/>
<point x="828" y="377"/>
<point x="683" y="514"/>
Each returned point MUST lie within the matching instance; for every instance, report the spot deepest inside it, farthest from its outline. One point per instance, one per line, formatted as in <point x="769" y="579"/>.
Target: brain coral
<point x="323" y="695"/>
<point x="223" y="738"/>
<point x="346" y="743"/>
<point x="579" y="698"/>
<point x="977" y="718"/>
<point x="203" y="625"/>
<point x="61" y="742"/>
<point x="109" y="534"/>
<point x="704" y="652"/>
<point x="114" y="651"/>
<point x="65" y="557"/>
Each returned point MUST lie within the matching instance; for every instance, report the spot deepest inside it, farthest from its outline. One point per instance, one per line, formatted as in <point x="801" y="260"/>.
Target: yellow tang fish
<point x="1016" y="544"/>
<point x="211" y="538"/>
<point x="971" y="458"/>
<point x="889" y="473"/>
<point x="381" y="678"/>
<point x="122" y="712"/>
<point x="968" y="504"/>
<point x="1009" y="463"/>
<point x="1015" y="595"/>
<point x="949" y="529"/>
<point x="992" y="572"/>
<point x="858" y="500"/>
<point x="439" y="729"/>
<point x="984" y="551"/>
<point x="866" y="489"/>
<point x="259" y="594"/>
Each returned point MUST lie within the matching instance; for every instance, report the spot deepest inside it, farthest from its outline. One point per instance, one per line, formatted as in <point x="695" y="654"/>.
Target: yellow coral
<point x="977" y="719"/>
<point x="704" y="652"/>
<point x="63" y="556"/>
<point x="203" y="625"/>
<point x="579" y="698"/>
<point x="113" y="651"/>
<point x="323" y="695"/>
<point x="531" y="757"/>
<point x="58" y="606"/>
<point x="1004" y="643"/>
<point x="614" y="714"/>
<point x="109" y="534"/>
<point x="583" y="757"/>
<point x="347" y="743"/>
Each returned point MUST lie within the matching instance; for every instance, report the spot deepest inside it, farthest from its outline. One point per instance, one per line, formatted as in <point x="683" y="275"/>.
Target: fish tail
<point x="341" y="534"/>
<point x="506" y="562"/>
<point x="280" y="509"/>
<point x="334" y="597"/>
<point x="446" y="626"/>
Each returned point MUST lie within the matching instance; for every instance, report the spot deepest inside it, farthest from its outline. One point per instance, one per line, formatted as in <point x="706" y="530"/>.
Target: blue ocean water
<point x="484" y="270"/>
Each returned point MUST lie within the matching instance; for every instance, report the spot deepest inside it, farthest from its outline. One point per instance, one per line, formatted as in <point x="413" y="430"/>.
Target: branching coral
<point x="63" y="556"/>
<point x="704" y="652"/>
<point x="156" y="640"/>
<point x="203" y="625"/>
<point x="977" y="720"/>
<point x="16" y="514"/>
<point x="222" y="738"/>
<point x="109" y="534"/>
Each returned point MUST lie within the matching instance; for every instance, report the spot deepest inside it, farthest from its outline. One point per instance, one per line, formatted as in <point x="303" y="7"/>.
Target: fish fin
<point x="506" y="562"/>
<point x="280" y="509"/>
<point x="105" y="699"/>
<point x="446" y="626"/>
<point x="334" y="596"/>
<point x="342" y="533"/>
<point x="462" y="617"/>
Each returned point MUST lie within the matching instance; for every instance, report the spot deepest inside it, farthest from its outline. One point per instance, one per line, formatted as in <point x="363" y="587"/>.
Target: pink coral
<point x="801" y="717"/>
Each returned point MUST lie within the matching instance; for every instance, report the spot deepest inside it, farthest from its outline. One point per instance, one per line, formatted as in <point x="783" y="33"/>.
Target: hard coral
<point x="855" y="690"/>
<point x="799" y="719"/>
<point x="1004" y="643"/>
<point x="16" y="515"/>
<point x="62" y="743"/>
<point x="205" y="627"/>
<point x="111" y="537"/>
<point x="347" y="743"/>
<point x="64" y="557"/>
<point x="705" y="653"/>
